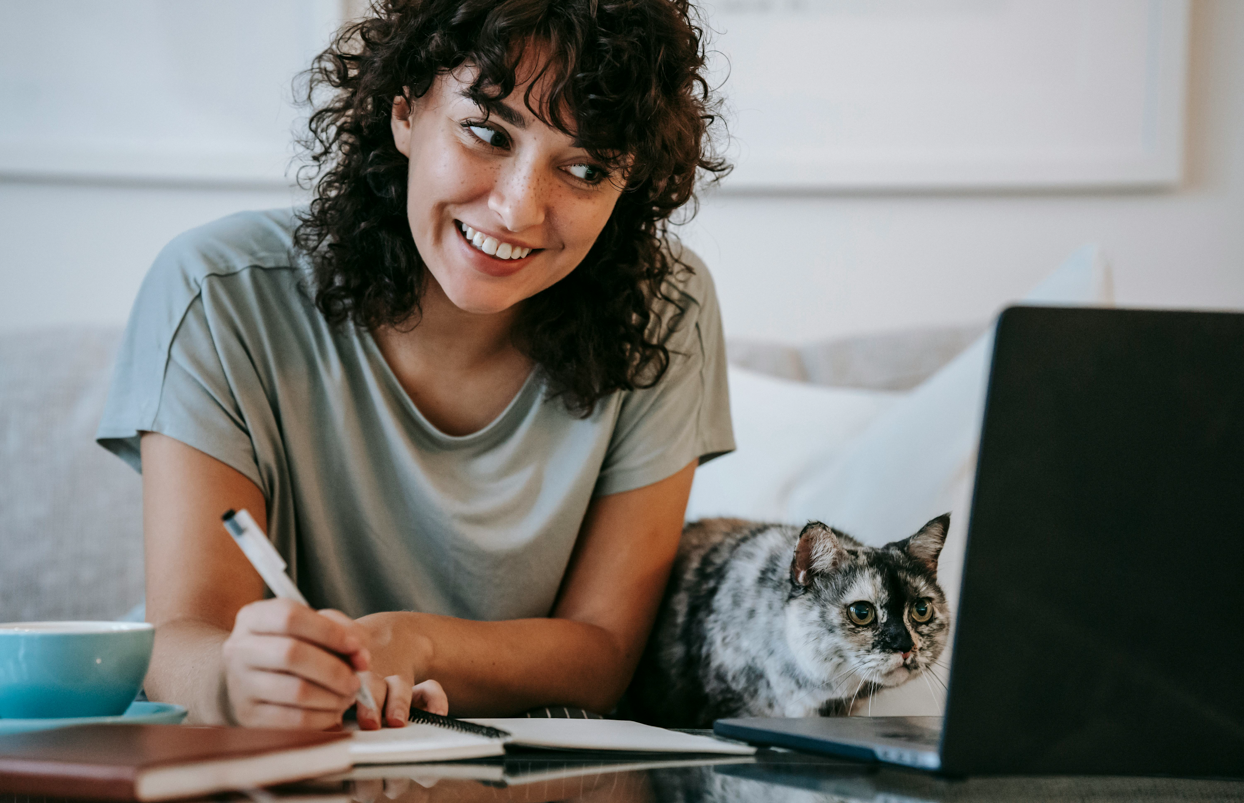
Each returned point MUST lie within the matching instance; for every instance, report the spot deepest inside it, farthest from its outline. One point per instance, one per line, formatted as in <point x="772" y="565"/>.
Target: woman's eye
<point x="490" y="136"/>
<point x="862" y="613"/>
<point x="585" y="172"/>
<point x="922" y="611"/>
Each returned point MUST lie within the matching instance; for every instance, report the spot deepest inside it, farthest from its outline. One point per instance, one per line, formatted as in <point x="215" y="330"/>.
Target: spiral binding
<point x="427" y="718"/>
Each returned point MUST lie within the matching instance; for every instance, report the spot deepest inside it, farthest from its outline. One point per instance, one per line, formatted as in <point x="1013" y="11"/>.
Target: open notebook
<point x="432" y="738"/>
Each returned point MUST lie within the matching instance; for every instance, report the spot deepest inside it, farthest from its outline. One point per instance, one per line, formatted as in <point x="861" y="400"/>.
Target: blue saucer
<point x="137" y="713"/>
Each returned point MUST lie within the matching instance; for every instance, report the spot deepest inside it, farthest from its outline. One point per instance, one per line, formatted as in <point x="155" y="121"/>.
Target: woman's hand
<point x="396" y="697"/>
<point x="397" y="680"/>
<point x="287" y="666"/>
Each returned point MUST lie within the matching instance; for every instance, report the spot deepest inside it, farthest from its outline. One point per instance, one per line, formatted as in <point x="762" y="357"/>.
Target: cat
<point x="769" y="620"/>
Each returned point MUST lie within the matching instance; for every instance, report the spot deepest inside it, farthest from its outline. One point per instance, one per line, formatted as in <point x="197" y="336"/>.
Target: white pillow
<point x="917" y="460"/>
<point x="782" y="431"/>
<point x="875" y="464"/>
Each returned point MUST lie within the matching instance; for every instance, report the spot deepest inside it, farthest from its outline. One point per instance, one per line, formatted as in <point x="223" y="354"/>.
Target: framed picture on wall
<point x="846" y="95"/>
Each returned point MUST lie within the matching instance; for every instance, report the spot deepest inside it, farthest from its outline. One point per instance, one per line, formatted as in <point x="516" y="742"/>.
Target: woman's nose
<point x="519" y="196"/>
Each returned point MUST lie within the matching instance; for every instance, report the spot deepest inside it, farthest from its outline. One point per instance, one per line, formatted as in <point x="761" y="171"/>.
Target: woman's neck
<point x="451" y="338"/>
<point x="460" y="369"/>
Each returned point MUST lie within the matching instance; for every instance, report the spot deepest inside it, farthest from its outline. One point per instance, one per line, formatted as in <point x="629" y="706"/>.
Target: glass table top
<point x="771" y="776"/>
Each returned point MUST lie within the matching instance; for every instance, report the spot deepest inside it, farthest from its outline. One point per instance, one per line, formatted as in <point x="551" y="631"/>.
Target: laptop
<point x="1100" y="628"/>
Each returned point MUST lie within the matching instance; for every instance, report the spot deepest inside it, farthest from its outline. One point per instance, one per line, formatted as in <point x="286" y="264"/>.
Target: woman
<point x="466" y="389"/>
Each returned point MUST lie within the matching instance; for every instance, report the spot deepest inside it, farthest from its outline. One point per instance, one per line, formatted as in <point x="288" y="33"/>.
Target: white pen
<point x="271" y="567"/>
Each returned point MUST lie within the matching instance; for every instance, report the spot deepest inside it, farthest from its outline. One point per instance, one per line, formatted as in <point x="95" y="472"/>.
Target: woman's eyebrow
<point x="496" y="107"/>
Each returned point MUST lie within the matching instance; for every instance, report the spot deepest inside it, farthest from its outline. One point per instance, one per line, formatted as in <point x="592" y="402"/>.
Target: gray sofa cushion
<point x="70" y="513"/>
<point x="888" y="361"/>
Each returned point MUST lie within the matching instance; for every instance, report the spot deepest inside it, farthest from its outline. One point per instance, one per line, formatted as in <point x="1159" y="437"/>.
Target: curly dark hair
<point x="625" y="79"/>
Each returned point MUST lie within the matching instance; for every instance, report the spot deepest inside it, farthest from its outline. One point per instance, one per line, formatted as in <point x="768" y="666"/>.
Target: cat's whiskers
<point x="941" y="711"/>
<point x="849" y="671"/>
<point x="851" y="704"/>
<point x="820" y="691"/>
<point x="819" y="694"/>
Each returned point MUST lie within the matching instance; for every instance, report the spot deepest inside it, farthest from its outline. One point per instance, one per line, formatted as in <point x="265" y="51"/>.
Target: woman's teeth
<point x="492" y="246"/>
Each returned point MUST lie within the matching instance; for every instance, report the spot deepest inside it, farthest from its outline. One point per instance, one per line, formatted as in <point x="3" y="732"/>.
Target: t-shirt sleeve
<point x="685" y="416"/>
<point x="170" y="376"/>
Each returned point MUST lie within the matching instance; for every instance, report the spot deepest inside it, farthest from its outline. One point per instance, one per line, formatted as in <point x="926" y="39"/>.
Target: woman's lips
<point x="488" y="264"/>
<point x="494" y="246"/>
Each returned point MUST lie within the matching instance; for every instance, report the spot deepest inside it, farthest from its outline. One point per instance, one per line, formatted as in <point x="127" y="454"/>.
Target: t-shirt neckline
<point x="518" y="404"/>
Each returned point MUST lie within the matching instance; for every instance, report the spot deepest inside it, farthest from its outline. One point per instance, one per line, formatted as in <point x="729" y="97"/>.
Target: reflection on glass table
<point x="771" y="776"/>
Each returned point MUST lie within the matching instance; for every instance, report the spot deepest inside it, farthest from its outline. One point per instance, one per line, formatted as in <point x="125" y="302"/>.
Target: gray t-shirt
<point x="372" y="506"/>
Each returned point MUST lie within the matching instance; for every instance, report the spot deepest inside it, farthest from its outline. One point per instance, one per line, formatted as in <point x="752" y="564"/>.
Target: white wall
<point x="795" y="268"/>
<point x="788" y="268"/>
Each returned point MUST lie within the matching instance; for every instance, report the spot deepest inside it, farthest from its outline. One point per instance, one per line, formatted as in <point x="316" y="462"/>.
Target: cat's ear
<point x="818" y="551"/>
<point x="926" y="545"/>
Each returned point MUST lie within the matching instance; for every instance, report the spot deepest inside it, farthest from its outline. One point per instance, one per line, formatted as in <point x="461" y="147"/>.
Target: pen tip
<point x="228" y="515"/>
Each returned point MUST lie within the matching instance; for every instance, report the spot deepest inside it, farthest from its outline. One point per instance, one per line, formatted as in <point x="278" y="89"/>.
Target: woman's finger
<point x="282" y="716"/>
<point x="295" y="657"/>
<point x="368" y="718"/>
<point x="429" y="696"/>
<point x="283" y="617"/>
<point x="361" y="658"/>
<point x="279" y="688"/>
<point x="397" y="703"/>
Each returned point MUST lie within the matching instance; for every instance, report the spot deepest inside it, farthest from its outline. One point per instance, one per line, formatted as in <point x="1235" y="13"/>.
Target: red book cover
<point x="161" y="762"/>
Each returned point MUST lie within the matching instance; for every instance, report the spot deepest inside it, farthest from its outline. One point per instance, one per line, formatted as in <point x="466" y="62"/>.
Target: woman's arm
<point x="586" y="653"/>
<point x="220" y="651"/>
<point x="230" y="657"/>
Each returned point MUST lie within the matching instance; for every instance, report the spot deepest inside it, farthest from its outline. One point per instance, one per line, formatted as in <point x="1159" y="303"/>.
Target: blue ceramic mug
<point x="72" y="669"/>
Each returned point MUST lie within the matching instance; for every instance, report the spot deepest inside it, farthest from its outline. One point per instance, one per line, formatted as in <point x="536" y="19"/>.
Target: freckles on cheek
<point x="461" y="176"/>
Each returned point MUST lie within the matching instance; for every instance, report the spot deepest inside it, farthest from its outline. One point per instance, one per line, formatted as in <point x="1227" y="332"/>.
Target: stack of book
<point x="162" y="762"/>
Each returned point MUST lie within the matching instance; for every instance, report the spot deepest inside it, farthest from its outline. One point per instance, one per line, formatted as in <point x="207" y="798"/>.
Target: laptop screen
<point x="1101" y="620"/>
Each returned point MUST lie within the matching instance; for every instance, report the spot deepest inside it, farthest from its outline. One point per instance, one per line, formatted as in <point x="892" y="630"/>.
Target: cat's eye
<point x="921" y="611"/>
<point x="862" y="613"/>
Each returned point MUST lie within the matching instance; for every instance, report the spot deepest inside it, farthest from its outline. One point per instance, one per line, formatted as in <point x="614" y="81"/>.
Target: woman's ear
<point x="401" y="124"/>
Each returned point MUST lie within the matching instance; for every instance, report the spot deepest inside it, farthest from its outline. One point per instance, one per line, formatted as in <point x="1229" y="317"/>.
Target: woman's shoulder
<point x="246" y="239"/>
<point x="217" y="257"/>
<point x="689" y="276"/>
<point x="688" y="296"/>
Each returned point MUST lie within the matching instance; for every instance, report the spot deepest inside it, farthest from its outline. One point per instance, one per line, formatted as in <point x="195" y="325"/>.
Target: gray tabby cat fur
<point x="755" y="622"/>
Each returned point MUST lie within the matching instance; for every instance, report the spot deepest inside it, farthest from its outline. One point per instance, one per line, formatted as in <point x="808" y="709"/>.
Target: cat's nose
<point x="907" y="655"/>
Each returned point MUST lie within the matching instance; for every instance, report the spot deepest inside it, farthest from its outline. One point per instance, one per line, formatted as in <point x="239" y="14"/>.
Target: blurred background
<point x="901" y="163"/>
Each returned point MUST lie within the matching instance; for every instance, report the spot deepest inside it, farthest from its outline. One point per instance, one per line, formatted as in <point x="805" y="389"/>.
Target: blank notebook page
<point x="609" y="734"/>
<point x="418" y="743"/>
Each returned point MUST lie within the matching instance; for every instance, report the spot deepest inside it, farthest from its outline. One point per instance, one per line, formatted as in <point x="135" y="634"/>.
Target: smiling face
<point x="500" y="204"/>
